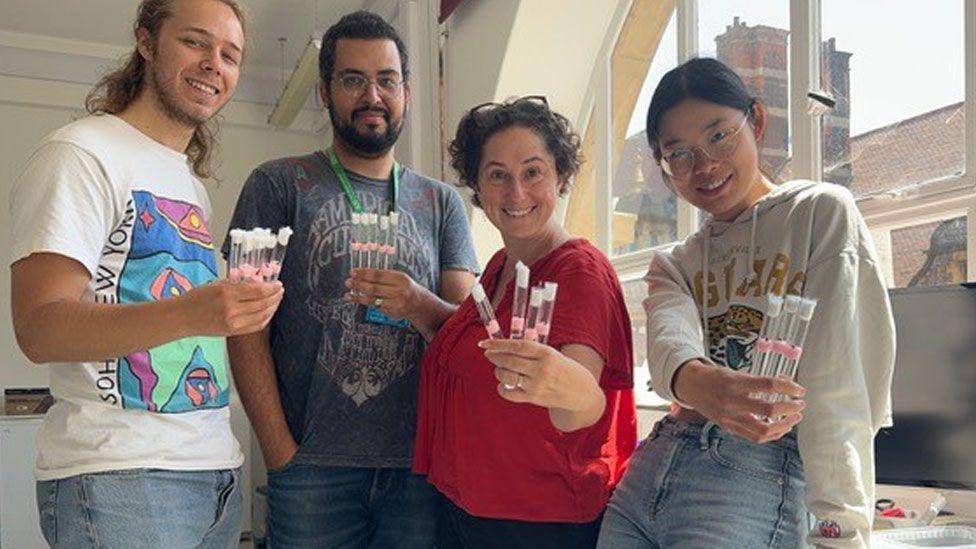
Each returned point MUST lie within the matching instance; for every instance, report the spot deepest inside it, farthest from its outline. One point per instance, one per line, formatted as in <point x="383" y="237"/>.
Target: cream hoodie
<point x="808" y="239"/>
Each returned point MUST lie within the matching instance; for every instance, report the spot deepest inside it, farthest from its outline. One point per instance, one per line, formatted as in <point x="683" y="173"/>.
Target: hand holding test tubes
<point x="779" y="346"/>
<point x="256" y="255"/>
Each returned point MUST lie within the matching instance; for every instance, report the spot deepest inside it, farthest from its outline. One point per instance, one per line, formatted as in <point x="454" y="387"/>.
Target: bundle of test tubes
<point x="531" y="311"/>
<point x="256" y="255"/>
<point x="373" y="240"/>
<point x="780" y="344"/>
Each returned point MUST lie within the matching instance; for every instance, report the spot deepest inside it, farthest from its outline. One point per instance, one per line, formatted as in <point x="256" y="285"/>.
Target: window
<point x="645" y="211"/>
<point x="887" y="134"/>
<point x="752" y="37"/>
<point x="896" y="136"/>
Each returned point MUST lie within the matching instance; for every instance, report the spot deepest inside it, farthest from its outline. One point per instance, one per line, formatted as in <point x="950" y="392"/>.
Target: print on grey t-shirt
<point x="361" y="357"/>
<point x="349" y="387"/>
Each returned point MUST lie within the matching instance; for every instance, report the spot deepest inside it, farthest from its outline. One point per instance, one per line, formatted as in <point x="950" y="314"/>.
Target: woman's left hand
<point x="530" y="372"/>
<point x="392" y="292"/>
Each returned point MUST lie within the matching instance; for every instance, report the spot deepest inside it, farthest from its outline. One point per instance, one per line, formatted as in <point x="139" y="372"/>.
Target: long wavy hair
<point x="117" y="89"/>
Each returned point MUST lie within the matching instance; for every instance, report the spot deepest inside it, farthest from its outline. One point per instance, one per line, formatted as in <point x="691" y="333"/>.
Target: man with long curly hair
<point x="111" y="283"/>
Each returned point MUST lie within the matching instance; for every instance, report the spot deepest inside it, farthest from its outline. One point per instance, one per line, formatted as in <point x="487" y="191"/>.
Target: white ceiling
<point x="109" y="22"/>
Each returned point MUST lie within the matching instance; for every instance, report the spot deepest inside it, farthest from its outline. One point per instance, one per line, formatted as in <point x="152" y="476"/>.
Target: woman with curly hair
<point x="526" y="440"/>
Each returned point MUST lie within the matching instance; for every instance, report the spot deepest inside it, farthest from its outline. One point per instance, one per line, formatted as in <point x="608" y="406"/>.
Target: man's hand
<point x="226" y="308"/>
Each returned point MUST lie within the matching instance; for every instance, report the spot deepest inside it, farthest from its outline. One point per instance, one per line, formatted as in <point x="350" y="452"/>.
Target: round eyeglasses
<point x="679" y="163"/>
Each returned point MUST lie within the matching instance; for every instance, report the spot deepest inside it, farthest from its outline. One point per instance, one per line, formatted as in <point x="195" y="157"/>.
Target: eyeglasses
<point x="679" y="163"/>
<point x="540" y="99"/>
<point x="355" y="84"/>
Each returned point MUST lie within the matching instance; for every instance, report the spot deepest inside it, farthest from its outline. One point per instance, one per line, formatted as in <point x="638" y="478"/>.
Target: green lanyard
<point x="354" y="203"/>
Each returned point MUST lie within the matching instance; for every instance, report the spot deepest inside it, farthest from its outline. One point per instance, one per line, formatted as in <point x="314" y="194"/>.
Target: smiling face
<point x="518" y="185"/>
<point x="193" y="67"/>
<point x="368" y="120"/>
<point x="723" y="187"/>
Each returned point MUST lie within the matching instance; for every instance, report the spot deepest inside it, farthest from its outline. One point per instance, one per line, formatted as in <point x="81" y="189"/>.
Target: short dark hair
<point x="702" y="78"/>
<point x="482" y="122"/>
<point x="359" y="25"/>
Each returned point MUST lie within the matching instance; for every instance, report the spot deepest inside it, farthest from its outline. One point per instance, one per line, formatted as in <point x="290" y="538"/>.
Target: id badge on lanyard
<point x="373" y="314"/>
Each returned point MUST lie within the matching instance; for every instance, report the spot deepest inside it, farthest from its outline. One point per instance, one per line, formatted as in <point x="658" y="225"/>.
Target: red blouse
<point x="499" y="459"/>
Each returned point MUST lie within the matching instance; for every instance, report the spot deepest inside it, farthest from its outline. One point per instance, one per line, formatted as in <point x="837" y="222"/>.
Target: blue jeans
<point x="349" y="507"/>
<point x="142" y="508"/>
<point x="694" y="485"/>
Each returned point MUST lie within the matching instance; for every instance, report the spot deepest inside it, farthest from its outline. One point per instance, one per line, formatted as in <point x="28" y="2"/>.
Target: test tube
<point x="544" y="323"/>
<point x="234" y="258"/>
<point x="520" y="301"/>
<point x="391" y="249"/>
<point x="355" y="238"/>
<point x="791" y="307"/>
<point x="485" y="312"/>
<point x="372" y="244"/>
<point x="763" y="346"/>
<point x="278" y="256"/>
<point x="382" y="259"/>
<point x="247" y="268"/>
<point x="535" y="304"/>
<point x="805" y="313"/>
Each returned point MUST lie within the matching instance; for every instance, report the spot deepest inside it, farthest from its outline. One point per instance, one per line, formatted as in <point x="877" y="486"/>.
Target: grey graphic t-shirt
<point x="349" y="386"/>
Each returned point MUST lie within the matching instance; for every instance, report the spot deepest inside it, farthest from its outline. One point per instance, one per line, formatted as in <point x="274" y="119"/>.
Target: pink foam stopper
<point x="275" y="267"/>
<point x="247" y="271"/>
<point x="357" y="246"/>
<point x="256" y="277"/>
<point x="235" y="274"/>
<point x="793" y="353"/>
<point x="493" y="327"/>
<point x="266" y="270"/>
<point x="764" y="345"/>
<point x="517" y="323"/>
<point x="542" y="328"/>
<point x="372" y="246"/>
<point x="781" y="347"/>
<point x="531" y="334"/>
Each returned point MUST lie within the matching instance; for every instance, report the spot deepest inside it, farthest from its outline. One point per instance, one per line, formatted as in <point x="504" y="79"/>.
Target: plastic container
<point x="926" y="536"/>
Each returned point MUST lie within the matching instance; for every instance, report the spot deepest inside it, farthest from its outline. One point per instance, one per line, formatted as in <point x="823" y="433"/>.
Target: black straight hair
<point x="701" y="78"/>
<point x="359" y="25"/>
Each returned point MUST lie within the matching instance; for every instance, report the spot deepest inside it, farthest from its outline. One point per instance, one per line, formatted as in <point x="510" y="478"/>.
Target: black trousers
<point x="456" y="529"/>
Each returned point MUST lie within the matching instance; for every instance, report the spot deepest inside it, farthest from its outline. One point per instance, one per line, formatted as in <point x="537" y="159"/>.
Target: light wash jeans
<point x="142" y="509"/>
<point x="350" y="508"/>
<point x="694" y="485"/>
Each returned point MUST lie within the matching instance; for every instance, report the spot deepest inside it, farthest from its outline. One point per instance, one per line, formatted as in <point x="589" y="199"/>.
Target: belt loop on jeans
<point x="703" y="440"/>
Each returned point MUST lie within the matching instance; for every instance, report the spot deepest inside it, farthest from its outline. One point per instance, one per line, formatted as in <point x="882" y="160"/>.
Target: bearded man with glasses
<point x="331" y="386"/>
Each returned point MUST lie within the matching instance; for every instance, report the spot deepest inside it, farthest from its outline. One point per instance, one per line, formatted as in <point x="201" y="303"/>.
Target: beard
<point x="369" y="145"/>
<point x="168" y="100"/>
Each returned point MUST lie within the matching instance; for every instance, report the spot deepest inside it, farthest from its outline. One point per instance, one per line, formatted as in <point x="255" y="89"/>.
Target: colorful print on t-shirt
<point x="165" y="250"/>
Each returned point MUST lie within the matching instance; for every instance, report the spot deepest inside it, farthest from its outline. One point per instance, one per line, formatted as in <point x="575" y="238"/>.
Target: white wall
<point x="502" y="48"/>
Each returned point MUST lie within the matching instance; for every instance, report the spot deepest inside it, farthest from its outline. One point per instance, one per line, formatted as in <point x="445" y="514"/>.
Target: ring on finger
<point x="518" y="381"/>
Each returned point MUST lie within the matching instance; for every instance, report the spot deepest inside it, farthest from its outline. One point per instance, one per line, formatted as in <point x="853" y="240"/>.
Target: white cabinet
<point x="19" y="528"/>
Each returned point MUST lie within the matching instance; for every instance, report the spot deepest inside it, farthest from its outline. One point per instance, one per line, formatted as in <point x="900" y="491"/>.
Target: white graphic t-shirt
<point x="131" y="211"/>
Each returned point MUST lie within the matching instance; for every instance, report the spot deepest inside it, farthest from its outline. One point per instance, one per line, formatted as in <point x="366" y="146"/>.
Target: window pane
<point x="644" y="209"/>
<point x="899" y="116"/>
<point x="926" y="254"/>
<point x="752" y="37"/>
<point x="634" y="293"/>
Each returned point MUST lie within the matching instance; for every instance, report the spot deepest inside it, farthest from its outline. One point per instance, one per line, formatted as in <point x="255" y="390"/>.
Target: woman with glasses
<point x="526" y="440"/>
<point x="742" y="458"/>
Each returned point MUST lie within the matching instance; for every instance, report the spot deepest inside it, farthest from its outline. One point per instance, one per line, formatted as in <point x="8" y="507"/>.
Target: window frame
<point x="906" y="207"/>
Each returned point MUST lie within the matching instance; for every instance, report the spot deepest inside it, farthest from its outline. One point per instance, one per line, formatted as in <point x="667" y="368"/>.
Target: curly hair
<point x="117" y="89"/>
<point x="532" y="113"/>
